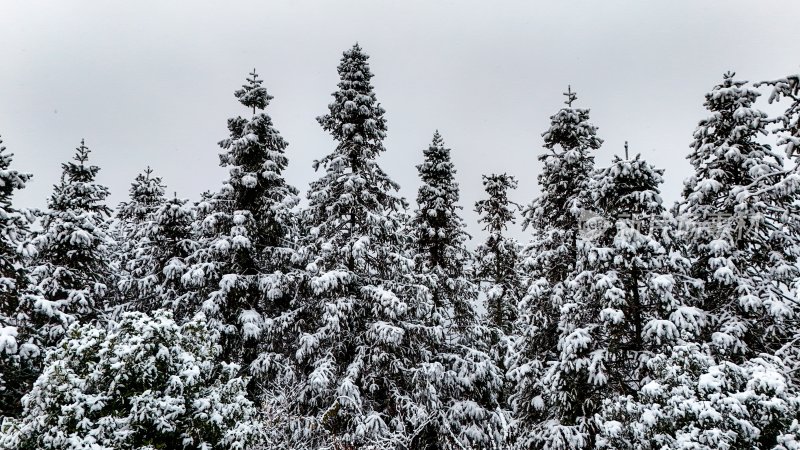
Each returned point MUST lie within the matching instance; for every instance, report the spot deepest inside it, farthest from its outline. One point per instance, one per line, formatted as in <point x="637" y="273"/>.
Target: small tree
<point x="497" y="269"/>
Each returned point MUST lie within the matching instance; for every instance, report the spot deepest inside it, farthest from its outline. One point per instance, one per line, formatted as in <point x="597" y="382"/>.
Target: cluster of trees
<point x="243" y="320"/>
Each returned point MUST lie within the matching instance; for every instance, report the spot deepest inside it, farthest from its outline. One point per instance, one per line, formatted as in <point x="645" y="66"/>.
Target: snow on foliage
<point x="144" y="382"/>
<point x="245" y="320"/>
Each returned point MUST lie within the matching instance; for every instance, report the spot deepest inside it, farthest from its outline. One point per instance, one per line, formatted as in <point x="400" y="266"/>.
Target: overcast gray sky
<point x="151" y="82"/>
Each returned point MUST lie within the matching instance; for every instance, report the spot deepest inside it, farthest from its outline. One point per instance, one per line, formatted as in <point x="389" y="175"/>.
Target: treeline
<point x="244" y="321"/>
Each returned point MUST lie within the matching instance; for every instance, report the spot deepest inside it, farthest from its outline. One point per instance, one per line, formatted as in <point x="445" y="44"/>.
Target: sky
<point x="152" y="82"/>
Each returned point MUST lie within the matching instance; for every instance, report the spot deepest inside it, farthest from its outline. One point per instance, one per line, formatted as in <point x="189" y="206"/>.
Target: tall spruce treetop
<point x="256" y="158"/>
<point x="743" y="239"/>
<point x="555" y="218"/>
<point x="354" y="192"/>
<point x="564" y="182"/>
<point x="18" y="349"/>
<point x="360" y="344"/>
<point x="72" y="267"/>
<point x="238" y="269"/>
<point x="146" y="194"/>
<point x="440" y="236"/>
<point x="78" y="190"/>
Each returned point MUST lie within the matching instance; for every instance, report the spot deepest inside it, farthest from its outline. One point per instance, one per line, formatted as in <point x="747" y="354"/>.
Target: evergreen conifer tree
<point x="472" y="383"/>
<point x="787" y="90"/>
<point x="555" y="218"/>
<point x="440" y="236"/>
<point x="19" y="350"/>
<point x="628" y="300"/>
<point x="72" y="267"/>
<point x="143" y="383"/>
<point x="366" y="355"/>
<point x="497" y="269"/>
<point x="130" y="254"/>
<point x="240" y="272"/>
<point x="498" y="258"/>
<point x="741" y="208"/>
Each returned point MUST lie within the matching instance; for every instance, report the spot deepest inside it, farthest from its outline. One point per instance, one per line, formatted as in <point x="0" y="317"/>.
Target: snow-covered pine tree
<point x="497" y="269"/>
<point x="130" y="254"/>
<point x="361" y="344"/>
<point x="165" y="240"/>
<point x="19" y="351"/>
<point x="498" y="257"/>
<point x="472" y="382"/>
<point x="143" y="383"/>
<point x="72" y="267"/>
<point x="241" y="269"/>
<point x="439" y="238"/>
<point x="628" y="300"/>
<point x="741" y="211"/>
<point x="555" y="217"/>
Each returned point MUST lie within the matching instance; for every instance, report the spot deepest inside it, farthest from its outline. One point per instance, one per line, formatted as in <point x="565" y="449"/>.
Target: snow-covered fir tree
<point x="787" y="90"/>
<point x="164" y="240"/>
<point x="130" y="260"/>
<point x="442" y="261"/>
<point x="143" y="383"/>
<point x="440" y="236"/>
<point x="19" y="351"/>
<point x="369" y="379"/>
<point x="355" y="346"/>
<point x="498" y="257"/>
<point x="497" y="269"/>
<point x="740" y="208"/>
<point x="72" y="268"/>
<point x="241" y="268"/>
<point x="629" y="299"/>
<point x="555" y="219"/>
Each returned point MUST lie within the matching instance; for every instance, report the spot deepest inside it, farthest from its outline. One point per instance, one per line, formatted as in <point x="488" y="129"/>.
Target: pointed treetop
<point x="82" y="153"/>
<point x="571" y="96"/>
<point x="252" y="94"/>
<point x="626" y="150"/>
<point x="437" y="141"/>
